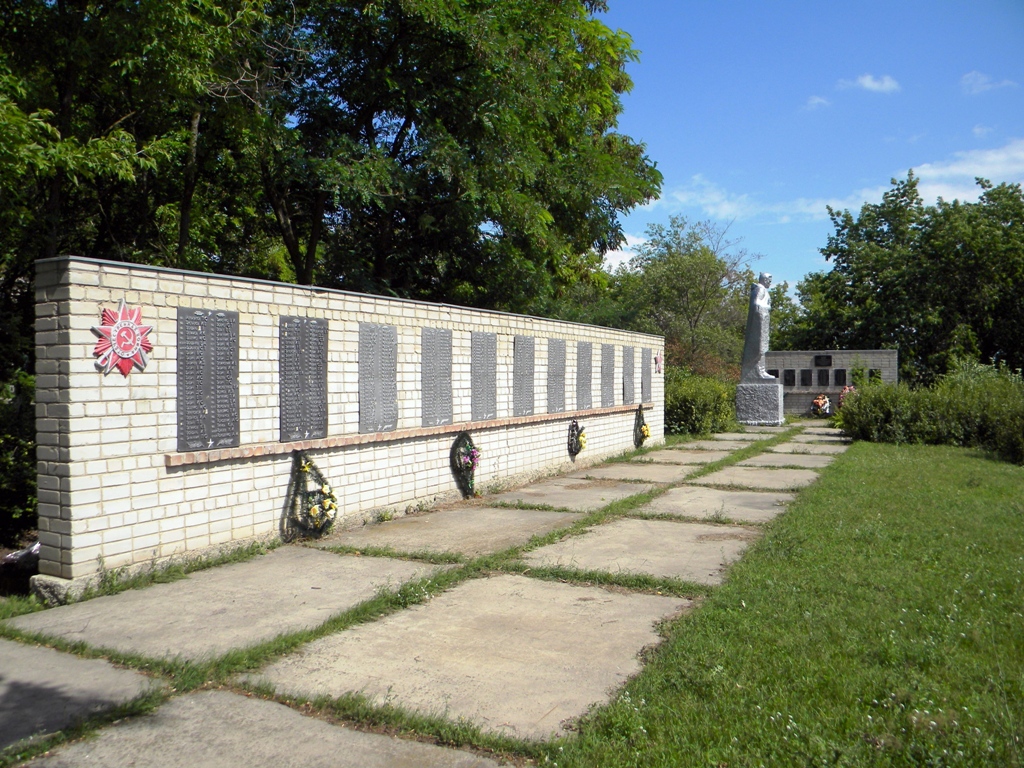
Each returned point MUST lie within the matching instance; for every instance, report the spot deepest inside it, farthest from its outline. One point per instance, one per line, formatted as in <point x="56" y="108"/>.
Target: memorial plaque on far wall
<point x="302" y="378"/>
<point x="627" y="375"/>
<point x="607" y="375"/>
<point x="436" y="376"/>
<point x="645" y="376"/>
<point x="584" y="375"/>
<point x="483" y="376"/>
<point x="556" y="375"/>
<point x="207" y="379"/>
<point x="378" y="378"/>
<point x="522" y="376"/>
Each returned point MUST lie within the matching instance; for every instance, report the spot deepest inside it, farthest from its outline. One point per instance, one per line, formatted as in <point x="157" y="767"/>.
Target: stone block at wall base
<point x="759" y="403"/>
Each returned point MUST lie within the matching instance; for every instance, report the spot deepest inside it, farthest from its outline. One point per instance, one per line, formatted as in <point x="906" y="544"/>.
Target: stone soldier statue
<point x="759" y="395"/>
<point x="756" y="342"/>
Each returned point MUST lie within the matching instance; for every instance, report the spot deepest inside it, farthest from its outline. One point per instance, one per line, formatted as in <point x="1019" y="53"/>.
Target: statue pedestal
<point x="759" y="403"/>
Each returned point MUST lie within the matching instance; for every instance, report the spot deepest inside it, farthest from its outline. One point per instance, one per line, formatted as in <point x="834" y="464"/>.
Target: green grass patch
<point x="635" y="582"/>
<point x="878" y="623"/>
<point x="420" y="555"/>
<point x="16" y="605"/>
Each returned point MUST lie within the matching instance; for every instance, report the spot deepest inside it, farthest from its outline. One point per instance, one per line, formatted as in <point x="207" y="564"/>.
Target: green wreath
<point x="314" y="506"/>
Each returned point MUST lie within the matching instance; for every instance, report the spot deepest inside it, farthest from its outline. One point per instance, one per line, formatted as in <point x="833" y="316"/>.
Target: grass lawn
<point x="879" y="622"/>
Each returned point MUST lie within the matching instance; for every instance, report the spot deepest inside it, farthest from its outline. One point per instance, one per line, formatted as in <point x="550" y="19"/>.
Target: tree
<point x="689" y="283"/>
<point x="452" y="151"/>
<point x="935" y="282"/>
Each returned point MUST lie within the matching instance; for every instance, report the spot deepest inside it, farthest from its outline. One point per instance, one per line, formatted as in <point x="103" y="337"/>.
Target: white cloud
<point x="976" y="82"/>
<point x="883" y="84"/>
<point x="981" y="131"/>
<point x="814" y="102"/>
<point x="613" y="259"/>
<point x="954" y="178"/>
<point x="950" y="179"/>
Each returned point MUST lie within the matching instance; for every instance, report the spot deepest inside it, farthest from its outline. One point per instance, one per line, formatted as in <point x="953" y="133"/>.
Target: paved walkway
<point x="521" y="648"/>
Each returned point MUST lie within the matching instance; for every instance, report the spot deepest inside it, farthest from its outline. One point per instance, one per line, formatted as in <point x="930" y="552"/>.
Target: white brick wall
<point x="113" y="486"/>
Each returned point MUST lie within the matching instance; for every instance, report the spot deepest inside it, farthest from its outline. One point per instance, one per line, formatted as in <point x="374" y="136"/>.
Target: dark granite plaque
<point x="584" y="375"/>
<point x="874" y="374"/>
<point x="627" y="375"/>
<point x="483" y="376"/>
<point x="645" y="376"/>
<point x="839" y="377"/>
<point x="207" y="379"/>
<point x="823" y="361"/>
<point x="806" y="377"/>
<point x="436" y="376"/>
<point x="607" y="375"/>
<point x="823" y="377"/>
<point x="773" y="372"/>
<point x="522" y="376"/>
<point x="556" y="375"/>
<point x="302" y="378"/>
<point x="378" y="377"/>
<point x="789" y="377"/>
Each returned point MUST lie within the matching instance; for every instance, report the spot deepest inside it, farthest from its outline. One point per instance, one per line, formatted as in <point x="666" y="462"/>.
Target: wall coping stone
<point x="254" y="450"/>
<point x="312" y="289"/>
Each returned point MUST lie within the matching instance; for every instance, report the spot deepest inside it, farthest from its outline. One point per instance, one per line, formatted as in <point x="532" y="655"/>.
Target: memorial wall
<point x="170" y="405"/>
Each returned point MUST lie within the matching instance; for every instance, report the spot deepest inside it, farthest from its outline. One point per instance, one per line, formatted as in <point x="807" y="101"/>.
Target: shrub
<point x="975" y="405"/>
<point x="697" y="405"/>
<point x="17" y="458"/>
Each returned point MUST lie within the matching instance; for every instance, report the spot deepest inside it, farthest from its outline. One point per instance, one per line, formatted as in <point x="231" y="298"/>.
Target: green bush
<point x="975" y="405"/>
<point x="697" y="405"/>
<point x="17" y="458"/>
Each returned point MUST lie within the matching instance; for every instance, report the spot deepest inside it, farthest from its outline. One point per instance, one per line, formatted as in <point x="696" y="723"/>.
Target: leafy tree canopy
<point x="937" y="282"/>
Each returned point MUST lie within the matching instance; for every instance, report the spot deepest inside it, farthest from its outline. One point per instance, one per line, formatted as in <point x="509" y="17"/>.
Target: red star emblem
<point x="123" y="341"/>
<point x="657" y="363"/>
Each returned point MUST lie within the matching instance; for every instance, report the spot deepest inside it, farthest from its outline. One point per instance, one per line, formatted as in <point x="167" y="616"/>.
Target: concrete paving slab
<point x="760" y="478"/>
<point x="217" y="729"/>
<point x="231" y="606"/>
<point x="652" y="473"/>
<point x="572" y="493"/>
<point x="515" y="655"/>
<point x="713" y="503"/>
<point x="822" y="431"/>
<point x="819" y="438"/>
<point x="716" y="445"/>
<point x="43" y="691"/>
<point x="468" y="530"/>
<point x="678" y="456"/>
<point x="809" y="448"/>
<point x="741" y="436"/>
<point x="803" y="460"/>
<point x="766" y="429"/>
<point x="690" y="551"/>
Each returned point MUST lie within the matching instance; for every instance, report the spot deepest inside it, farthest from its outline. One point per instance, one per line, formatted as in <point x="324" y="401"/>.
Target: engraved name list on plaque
<point x="207" y="379"/>
<point x="302" y="378"/>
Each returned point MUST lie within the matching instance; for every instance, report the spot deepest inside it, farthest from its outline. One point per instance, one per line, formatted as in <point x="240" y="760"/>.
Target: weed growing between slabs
<point x="878" y="623"/>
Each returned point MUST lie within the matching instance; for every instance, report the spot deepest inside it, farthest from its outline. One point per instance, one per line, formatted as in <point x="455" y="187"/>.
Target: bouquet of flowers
<point x="847" y="391"/>
<point x="822" y="406"/>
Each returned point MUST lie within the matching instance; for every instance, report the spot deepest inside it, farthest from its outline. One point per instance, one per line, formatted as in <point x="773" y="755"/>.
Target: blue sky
<point x="761" y="114"/>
